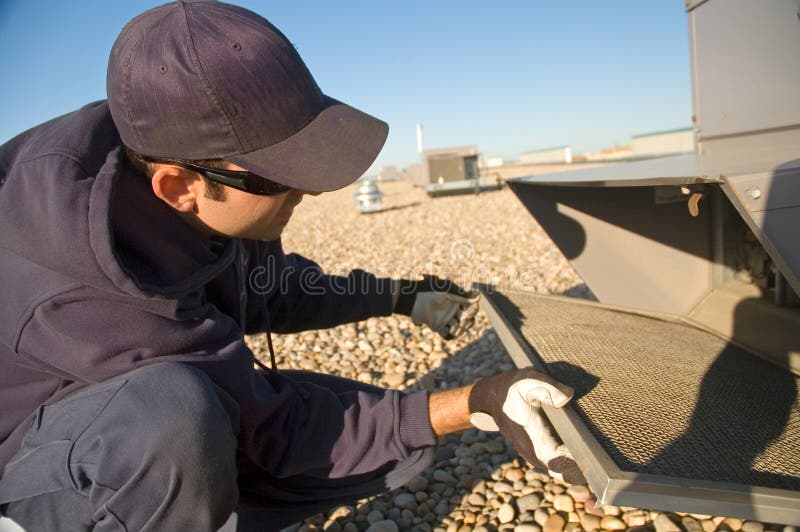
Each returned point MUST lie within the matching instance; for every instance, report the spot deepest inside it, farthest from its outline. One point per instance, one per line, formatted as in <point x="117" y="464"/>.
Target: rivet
<point x="237" y="46"/>
<point x="162" y="69"/>
<point x="754" y="192"/>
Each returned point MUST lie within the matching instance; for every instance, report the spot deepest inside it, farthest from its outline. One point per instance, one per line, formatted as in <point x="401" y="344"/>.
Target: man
<point x="141" y="242"/>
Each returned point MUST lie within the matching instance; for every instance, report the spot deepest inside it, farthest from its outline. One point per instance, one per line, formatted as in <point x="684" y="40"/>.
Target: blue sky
<point x="510" y="76"/>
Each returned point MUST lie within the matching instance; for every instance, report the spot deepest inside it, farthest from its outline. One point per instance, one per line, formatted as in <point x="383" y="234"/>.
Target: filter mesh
<point x="665" y="398"/>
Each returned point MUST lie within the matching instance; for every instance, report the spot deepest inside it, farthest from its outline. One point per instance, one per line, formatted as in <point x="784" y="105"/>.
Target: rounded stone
<point x="752" y="526"/>
<point x="506" y="513"/>
<point x="529" y="503"/>
<point x="502" y="487"/>
<point x="590" y="522"/>
<point x="563" y="503"/>
<point x="476" y="499"/>
<point x="384" y="526"/>
<point x="406" y="501"/>
<point x="555" y="523"/>
<point x="579" y="493"/>
<point x="635" y="518"/>
<point x="663" y="523"/>
<point x="691" y="524"/>
<point x="527" y="527"/>
<point x="514" y="475"/>
<point x="332" y="526"/>
<point x="374" y="516"/>
<point x="540" y="516"/>
<point x="611" y="522"/>
<point x="443" y="476"/>
<point x="417" y="484"/>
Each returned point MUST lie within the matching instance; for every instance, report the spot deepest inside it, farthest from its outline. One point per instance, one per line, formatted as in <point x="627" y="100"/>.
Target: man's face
<point x="245" y="215"/>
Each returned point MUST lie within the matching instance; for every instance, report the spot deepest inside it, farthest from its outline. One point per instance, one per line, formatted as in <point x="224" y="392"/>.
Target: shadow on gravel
<point x="466" y="461"/>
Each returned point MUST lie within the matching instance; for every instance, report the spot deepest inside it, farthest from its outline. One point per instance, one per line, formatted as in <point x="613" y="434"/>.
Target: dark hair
<point x="214" y="191"/>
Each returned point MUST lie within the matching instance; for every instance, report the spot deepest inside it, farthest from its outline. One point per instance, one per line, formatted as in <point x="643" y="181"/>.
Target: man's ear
<point x="177" y="187"/>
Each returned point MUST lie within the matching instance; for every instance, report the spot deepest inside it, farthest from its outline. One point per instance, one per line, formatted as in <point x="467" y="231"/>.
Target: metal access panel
<point x="746" y="68"/>
<point x="687" y="368"/>
<point x="745" y="79"/>
<point x="635" y="246"/>
<point x="666" y="415"/>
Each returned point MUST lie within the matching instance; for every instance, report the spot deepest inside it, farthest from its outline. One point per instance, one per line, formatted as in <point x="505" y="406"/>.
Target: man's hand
<point x="441" y="304"/>
<point x="511" y="403"/>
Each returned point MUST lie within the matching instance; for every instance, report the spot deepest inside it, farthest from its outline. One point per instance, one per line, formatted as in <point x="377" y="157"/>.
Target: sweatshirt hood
<point x="71" y="203"/>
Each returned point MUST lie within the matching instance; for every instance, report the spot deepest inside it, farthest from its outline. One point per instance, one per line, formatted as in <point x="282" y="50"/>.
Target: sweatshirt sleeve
<point x="300" y="297"/>
<point x="285" y="427"/>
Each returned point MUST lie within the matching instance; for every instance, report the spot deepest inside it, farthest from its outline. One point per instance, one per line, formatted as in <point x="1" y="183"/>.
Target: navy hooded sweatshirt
<point x="99" y="277"/>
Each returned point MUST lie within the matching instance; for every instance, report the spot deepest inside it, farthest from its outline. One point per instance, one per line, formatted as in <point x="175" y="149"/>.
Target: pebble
<point x="417" y="484"/>
<point x="506" y="514"/>
<point x="384" y="526"/>
<point x="690" y="524"/>
<point x="563" y="503"/>
<point x="374" y="516"/>
<point x="579" y="493"/>
<point x="664" y="524"/>
<point x="332" y="526"/>
<point x="515" y="475"/>
<point x="708" y="525"/>
<point x="590" y="522"/>
<point x="340" y="511"/>
<point x="476" y="499"/>
<point x="591" y="507"/>
<point x="554" y="523"/>
<point x="406" y="501"/>
<point x="502" y="487"/>
<point x="635" y="518"/>
<point x="611" y="522"/>
<point x="528" y="502"/>
<point x="752" y="526"/>
<point x="527" y="527"/>
<point x="733" y="523"/>
<point x="540" y="516"/>
<point x="443" y="476"/>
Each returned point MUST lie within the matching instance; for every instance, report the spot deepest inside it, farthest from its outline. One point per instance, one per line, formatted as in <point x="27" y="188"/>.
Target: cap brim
<point x="330" y="152"/>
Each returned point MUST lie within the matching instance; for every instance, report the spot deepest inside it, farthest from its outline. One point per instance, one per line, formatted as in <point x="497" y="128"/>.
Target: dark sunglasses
<point x="242" y="180"/>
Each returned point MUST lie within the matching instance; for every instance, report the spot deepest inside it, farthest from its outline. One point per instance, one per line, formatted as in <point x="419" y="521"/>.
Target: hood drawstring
<point x="265" y="309"/>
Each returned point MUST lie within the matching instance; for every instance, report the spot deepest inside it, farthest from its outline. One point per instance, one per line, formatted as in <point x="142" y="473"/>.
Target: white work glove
<point x="511" y="402"/>
<point x="438" y="303"/>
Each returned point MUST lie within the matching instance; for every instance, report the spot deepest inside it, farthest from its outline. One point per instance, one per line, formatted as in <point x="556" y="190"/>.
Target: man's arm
<point x="449" y="411"/>
<point x="299" y="296"/>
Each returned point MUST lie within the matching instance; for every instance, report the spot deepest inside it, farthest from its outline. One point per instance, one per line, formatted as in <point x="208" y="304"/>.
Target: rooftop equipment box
<point x="687" y="366"/>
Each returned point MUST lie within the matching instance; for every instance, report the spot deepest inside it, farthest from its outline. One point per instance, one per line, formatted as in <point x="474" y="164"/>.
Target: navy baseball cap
<point x="204" y="80"/>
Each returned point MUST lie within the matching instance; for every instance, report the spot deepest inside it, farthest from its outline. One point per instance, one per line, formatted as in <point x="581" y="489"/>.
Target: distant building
<point x="458" y="163"/>
<point x="660" y="143"/>
<point x="609" y="154"/>
<point x="559" y="155"/>
<point x="490" y="162"/>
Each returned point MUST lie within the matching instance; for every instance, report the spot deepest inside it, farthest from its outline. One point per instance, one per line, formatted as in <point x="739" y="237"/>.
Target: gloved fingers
<point x="464" y="317"/>
<point x="565" y="468"/>
<point x="532" y="392"/>
<point x="549" y="450"/>
<point x="522" y="443"/>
